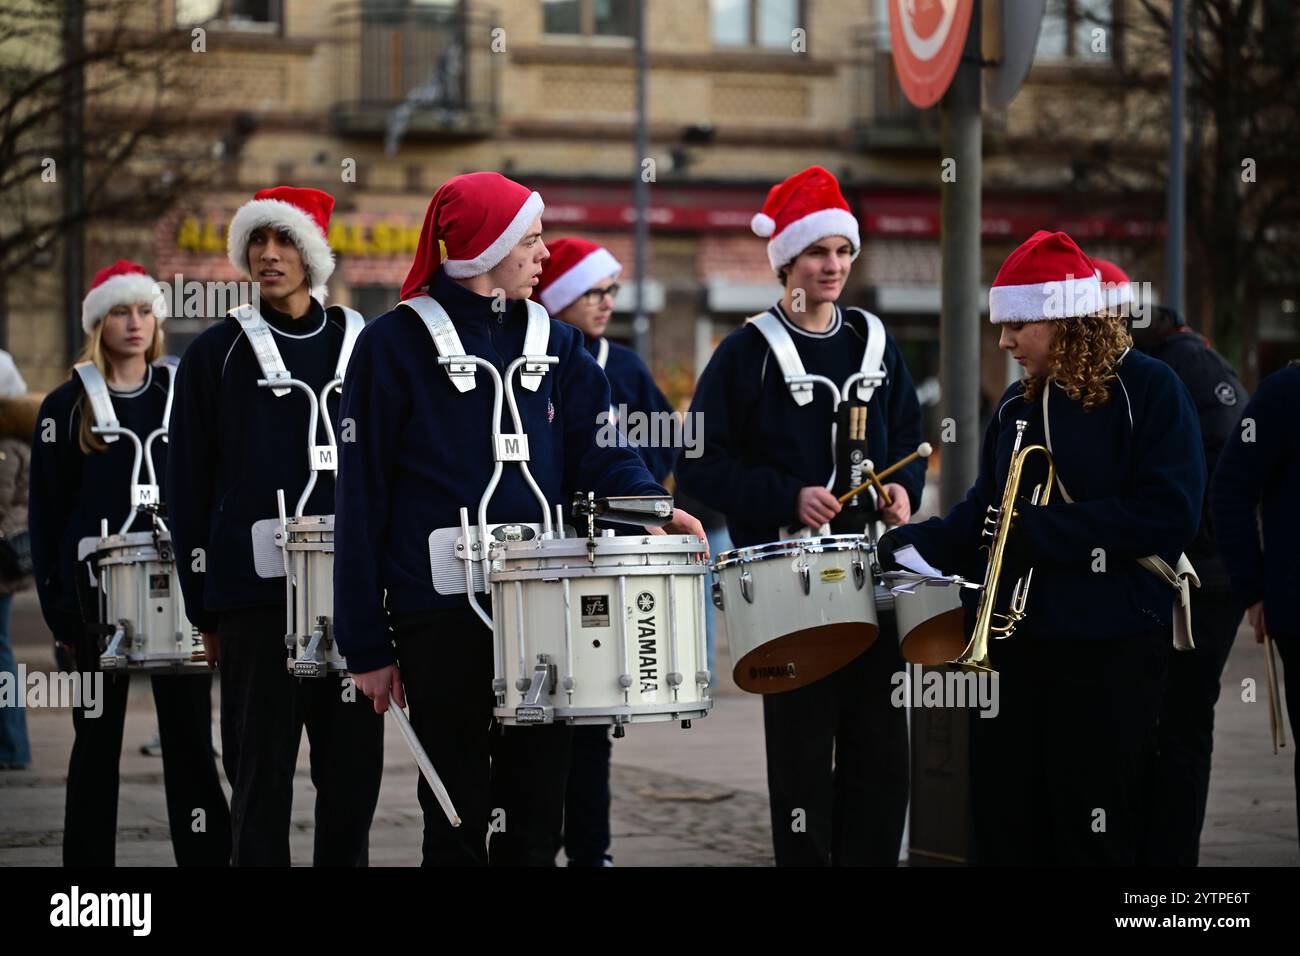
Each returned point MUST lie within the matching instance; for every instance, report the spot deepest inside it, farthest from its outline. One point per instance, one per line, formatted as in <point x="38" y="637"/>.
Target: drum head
<point x="797" y="659"/>
<point x="940" y="639"/>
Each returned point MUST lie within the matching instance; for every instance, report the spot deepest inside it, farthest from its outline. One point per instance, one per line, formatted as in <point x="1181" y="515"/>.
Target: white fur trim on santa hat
<point x="121" y="290"/>
<point x="1069" y="298"/>
<point x="564" y="291"/>
<point x="317" y="257"/>
<point x="802" y="233"/>
<point x="490" y="257"/>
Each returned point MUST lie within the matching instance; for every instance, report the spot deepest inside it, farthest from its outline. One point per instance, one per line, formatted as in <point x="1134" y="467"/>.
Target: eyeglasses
<point x="593" y="296"/>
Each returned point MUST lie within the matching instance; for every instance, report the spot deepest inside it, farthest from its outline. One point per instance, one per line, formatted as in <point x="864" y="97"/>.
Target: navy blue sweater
<point x="760" y="448"/>
<point x="71" y="491"/>
<point x="1136" y="471"/>
<point x="233" y="445"/>
<point x="1263" y="472"/>
<point x="423" y="450"/>
<point x="632" y="385"/>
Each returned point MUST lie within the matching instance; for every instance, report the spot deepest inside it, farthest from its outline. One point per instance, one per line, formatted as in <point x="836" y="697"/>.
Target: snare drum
<point x="140" y="597"/>
<point x="931" y="623"/>
<point x="605" y="630"/>
<point x="313" y="652"/>
<point x="796" y="610"/>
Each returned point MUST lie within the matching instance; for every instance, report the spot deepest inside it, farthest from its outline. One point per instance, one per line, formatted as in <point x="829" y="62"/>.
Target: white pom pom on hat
<point x="762" y="225"/>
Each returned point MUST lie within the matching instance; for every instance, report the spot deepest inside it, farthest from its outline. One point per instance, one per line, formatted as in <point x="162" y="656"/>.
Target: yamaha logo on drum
<point x="769" y="671"/>
<point x="647" y="635"/>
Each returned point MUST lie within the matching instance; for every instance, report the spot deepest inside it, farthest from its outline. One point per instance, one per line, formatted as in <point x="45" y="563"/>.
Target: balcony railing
<point x="413" y="70"/>
<point x="884" y="119"/>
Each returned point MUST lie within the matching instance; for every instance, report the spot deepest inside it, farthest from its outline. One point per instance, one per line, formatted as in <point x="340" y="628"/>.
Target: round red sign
<point x="927" y="38"/>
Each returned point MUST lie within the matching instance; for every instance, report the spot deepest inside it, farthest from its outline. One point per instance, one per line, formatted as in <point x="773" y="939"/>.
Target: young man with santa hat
<point x="578" y="285"/>
<point x="422" y="452"/>
<point x="78" y="479"/>
<point x="234" y="444"/>
<point x="836" y="748"/>
<point x="1056" y="775"/>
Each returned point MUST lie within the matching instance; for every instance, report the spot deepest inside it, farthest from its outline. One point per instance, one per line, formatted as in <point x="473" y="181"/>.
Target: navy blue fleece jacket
<point x="233" y="445"/>
<point x="631" y="385"/>
<point x="1259" y="472"/>
<point x="423" y="450"/>
<point x="1136" y="471"/>
<point x="760" y="448"/>
<point x="71" y="491"/>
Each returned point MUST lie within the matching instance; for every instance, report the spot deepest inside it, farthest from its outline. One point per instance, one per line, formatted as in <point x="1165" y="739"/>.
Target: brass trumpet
<point x="997" y="527"/>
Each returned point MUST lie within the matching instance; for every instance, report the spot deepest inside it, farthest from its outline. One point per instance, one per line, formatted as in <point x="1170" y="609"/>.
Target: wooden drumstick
<point x="424" y="763"/>
<point x="875" y="478"/>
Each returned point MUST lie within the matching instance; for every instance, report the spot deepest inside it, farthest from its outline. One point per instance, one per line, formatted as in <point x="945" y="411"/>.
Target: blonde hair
<point x="1083" y="358"/>
<point x="93" y="351"/>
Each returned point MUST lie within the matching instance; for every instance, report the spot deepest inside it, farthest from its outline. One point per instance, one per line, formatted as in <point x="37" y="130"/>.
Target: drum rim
<point x="793" y="546"/>
<point x="577" y="546"/>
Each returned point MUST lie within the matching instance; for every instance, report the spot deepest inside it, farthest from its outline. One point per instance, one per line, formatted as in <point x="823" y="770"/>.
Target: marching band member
<point x="578" y="285"/>
<point x="1179" y="778"/>
<point x="764" y="465"/>
<point x="77" y="481"/>
<point x="1056" y="775"/>
<point x="1257" y="522"/>
<point x="421" y="453"/>
<point x="233" y="445"/>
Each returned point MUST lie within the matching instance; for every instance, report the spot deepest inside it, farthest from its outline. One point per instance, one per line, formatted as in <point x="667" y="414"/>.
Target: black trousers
<point x="507" y="783"/>
<point x="586" y="801"/>
<point x="1288" y="649"/>
<point x="1056" y="777"/>
<point x="837" y="763"/>
<point x="190" y="780"/>
<point x="263" y="712"/>
<point x="1179" y="780"/>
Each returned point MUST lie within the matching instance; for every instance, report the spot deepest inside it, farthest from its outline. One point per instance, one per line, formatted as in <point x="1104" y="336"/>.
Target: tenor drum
<point x="605" y="630"/>
<point x="931" y="623"/>
<point x="140" y="597"/>
<point x="309" y="544"/>
<point x="795" y="610"/>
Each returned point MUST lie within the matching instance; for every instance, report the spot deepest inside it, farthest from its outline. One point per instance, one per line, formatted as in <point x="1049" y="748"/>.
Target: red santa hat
<point x="798" y="212"/>
<point x="472" y="223"/>
<point x="304" y="214"/>
<point x="1047" y="277"/>
<point x="1115" y="285"/>
<point x="575" y="266"/>
<point x="122" y="283"/>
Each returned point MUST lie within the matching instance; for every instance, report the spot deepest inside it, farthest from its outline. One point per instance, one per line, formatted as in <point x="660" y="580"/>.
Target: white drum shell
<point x="931" y="623"/>
<point x="309" y="541"/>
<point x="140" y="587"/>
<point x="617" y="628"/>
<point x="796" y="610"/>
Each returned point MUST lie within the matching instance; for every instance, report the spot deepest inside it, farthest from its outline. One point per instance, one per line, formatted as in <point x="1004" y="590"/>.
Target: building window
<point x="599" y="18"/>
<point x="255" y="16"/>
<point x="1077" y="30"/>
<point x="769" y="24"/>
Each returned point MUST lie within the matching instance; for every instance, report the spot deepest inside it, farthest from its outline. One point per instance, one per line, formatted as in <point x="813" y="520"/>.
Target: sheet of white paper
<point x="911" y="559"/>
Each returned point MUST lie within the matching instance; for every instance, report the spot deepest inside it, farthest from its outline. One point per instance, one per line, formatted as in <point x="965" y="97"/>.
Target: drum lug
<point x="702" y="678"/>
<point x="535" y="709"/>
<point x="859" y="572"/>
<point x="747" y="585"/>
<point x="674" y="679"/>
<point x="805" y="578"/>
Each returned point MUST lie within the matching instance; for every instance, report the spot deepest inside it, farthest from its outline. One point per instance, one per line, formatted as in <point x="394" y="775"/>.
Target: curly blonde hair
<point x="1083" y="358"/>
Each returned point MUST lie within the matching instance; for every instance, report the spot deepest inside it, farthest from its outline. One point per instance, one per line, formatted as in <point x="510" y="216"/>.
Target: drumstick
<point x="425" y="764"/>
<point x="922" y="451"/>
<point x="1274" y="708"/>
